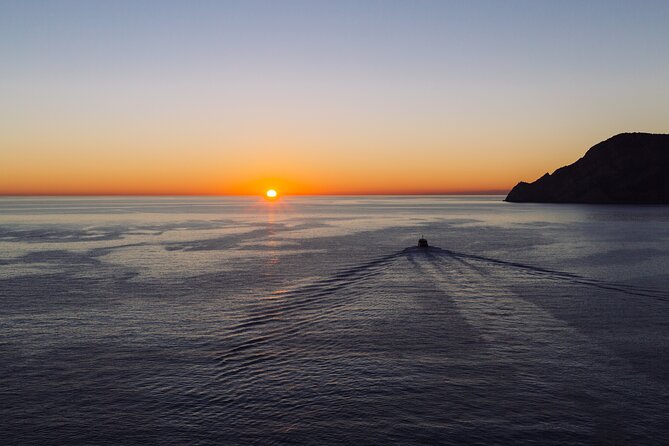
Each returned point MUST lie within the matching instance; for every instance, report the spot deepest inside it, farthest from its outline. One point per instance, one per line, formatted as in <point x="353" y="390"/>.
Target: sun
<point x="271" y="193"/>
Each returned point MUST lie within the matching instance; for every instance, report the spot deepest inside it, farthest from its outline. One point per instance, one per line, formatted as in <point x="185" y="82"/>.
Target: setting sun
<point x="271" y="193"/>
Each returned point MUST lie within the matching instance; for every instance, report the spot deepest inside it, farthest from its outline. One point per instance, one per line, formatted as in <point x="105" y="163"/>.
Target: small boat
<point x="422" y="242"/>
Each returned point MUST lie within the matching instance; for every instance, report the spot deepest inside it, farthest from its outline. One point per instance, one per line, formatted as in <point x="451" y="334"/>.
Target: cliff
<point x="627" y="168"/>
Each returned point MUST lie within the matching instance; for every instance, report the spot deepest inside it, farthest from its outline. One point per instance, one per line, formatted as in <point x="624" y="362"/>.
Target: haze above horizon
<point x="313" y="97"/>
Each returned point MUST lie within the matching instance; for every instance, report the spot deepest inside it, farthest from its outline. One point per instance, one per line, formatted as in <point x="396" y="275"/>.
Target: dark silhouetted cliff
<point x="627" y="168"/>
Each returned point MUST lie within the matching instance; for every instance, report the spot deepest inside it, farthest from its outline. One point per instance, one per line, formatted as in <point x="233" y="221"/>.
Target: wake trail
<point x="556" y="275"/>
<point x="285" y="315"/>
<point x="265" y="344"/>
<point x="546" y="354"/>
<point x="281" y="316"/>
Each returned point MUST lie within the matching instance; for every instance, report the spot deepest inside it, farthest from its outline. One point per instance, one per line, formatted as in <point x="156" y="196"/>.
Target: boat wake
<point x="540" y="271"/>
<point x="460" y="310"/>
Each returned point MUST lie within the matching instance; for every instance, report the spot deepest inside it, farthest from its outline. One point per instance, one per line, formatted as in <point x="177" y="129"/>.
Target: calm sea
<point x="317" y="321"/>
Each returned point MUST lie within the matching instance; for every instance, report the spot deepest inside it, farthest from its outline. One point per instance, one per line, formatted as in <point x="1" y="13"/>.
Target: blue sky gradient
<point x="328" y="83"/>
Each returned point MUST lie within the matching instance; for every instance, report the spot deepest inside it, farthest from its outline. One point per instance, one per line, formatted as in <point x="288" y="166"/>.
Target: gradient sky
<point x="328" y="97"/>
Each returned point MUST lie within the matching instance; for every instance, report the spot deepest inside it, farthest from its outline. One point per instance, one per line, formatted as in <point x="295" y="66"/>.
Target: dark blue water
<point x="317" y="321"/>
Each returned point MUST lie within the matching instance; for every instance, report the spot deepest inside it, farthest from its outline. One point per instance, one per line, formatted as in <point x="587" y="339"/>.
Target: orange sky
<point x="68" y="166"/>
<point x="61" y="167"/>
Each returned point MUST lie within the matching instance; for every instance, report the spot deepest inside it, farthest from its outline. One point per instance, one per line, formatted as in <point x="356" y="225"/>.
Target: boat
<point x="422" y="242"/>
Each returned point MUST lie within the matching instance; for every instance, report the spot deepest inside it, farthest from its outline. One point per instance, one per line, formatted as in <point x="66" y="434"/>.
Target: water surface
<point x="317" y="321"/>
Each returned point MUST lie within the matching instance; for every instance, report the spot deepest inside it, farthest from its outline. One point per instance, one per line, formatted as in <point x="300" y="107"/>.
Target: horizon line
<point x="464" y="193"/>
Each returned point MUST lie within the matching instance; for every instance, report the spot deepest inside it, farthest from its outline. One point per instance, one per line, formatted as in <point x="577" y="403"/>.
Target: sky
<point x="319" y="97"/>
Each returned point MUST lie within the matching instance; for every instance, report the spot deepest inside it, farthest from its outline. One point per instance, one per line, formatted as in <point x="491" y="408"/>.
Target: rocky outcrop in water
<point x="627" y="168"/>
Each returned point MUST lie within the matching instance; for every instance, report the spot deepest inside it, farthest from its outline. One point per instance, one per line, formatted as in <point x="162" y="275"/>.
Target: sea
<point x="318" y="321"/>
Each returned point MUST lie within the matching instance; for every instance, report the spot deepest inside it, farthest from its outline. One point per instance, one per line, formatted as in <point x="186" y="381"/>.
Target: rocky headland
<point x="630" y="168"/>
